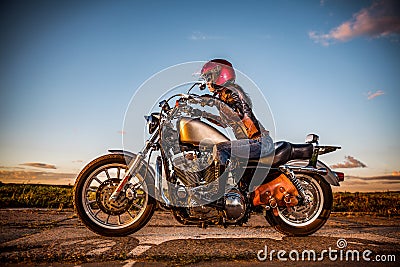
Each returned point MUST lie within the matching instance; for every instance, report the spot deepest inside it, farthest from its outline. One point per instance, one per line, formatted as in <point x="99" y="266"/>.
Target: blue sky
<point x="68" y="70"/>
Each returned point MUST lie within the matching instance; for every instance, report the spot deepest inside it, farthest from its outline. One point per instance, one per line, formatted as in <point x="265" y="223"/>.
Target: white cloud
<point x="376" y="94"/>
<point x="39" y="165"/>
<point x="381" y="19"/>
<point x="350" y="162"/>
<point x="322" y="39"/>
<point x="199" y="36"/>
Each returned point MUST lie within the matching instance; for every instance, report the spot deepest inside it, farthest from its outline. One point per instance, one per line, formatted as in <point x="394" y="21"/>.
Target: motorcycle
<point x="116" y="194"/>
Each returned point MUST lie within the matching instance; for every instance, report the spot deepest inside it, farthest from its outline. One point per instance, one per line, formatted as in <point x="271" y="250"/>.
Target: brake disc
<point x="112" y="207"/>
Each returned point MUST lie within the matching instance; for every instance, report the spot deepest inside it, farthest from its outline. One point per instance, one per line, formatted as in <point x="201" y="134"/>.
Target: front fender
<point x="144" y="164"/>
<point x="330" y="176"/>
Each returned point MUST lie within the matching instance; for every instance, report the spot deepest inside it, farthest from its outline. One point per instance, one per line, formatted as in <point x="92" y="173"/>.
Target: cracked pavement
<point x="43" y="237"/>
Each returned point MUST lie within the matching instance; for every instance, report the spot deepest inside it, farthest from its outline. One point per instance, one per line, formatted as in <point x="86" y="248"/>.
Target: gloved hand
<point x="207" y="100"/>
<point x="196" y="112"/>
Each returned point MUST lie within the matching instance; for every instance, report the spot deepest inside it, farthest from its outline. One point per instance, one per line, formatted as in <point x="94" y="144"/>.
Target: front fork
<point x="159" y="182"/>
<point x="134" y="166"/>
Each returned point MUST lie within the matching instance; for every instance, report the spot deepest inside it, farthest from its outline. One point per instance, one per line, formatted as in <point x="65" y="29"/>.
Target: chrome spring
<point x="296" y="183"/>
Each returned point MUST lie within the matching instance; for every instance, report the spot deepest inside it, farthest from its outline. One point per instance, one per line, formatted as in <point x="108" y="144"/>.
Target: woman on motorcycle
<point x="253" y="141"/>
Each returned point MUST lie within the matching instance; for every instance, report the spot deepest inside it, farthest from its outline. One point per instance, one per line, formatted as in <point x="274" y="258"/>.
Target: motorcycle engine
<point x="203" y="213"/>
<point x="234" y="206"/>
<point x="195" y="169"/>
<point x="234" y="209"/>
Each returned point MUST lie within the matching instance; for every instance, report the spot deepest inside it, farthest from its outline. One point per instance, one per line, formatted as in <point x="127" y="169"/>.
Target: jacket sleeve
<point x="240" y="106"/>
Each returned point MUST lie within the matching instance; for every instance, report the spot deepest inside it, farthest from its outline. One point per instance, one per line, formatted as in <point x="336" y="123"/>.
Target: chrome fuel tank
<point x="195" y="132"/>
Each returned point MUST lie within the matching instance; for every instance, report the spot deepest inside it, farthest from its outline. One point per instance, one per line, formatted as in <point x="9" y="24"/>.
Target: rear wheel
<point x="305" y="218"/>
<point x="92" y="191"/>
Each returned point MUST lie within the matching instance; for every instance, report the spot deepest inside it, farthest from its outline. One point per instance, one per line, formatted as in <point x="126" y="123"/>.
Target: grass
<point x="60" y="197"/>
<point x="35" y="196"/>
<point x="381" y="203"/>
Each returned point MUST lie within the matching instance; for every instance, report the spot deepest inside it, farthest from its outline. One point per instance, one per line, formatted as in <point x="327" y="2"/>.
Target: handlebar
<point x="189" y="98"/>
<point x="188" y="95"/>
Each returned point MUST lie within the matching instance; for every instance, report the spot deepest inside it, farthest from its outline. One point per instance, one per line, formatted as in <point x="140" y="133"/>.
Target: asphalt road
<point x="57" y="238"/>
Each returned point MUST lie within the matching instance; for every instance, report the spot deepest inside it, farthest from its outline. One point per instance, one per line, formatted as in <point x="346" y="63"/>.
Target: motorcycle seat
<point x="284" y="152"/>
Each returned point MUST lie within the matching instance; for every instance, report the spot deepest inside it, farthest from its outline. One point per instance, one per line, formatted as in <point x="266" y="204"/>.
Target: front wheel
<point x="92" y="191"/>
<point x="305" y="219"/>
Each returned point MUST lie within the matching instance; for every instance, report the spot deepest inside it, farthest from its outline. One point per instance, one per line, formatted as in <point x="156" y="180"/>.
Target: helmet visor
<point x="211" y="75"/>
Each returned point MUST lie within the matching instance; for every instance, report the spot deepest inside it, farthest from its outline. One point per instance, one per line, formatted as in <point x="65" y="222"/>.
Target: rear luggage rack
<point x="326" y="149"/>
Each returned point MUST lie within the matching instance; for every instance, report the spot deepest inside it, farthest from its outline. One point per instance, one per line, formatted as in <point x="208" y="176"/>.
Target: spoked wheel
<point x="307" y="217"/>
<point x="92" y="191"/>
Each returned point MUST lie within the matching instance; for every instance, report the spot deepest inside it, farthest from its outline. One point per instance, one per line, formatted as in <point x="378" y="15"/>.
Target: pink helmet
<point x="219" y="72"/>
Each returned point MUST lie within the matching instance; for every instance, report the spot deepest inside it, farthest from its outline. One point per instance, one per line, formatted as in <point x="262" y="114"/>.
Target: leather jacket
<point x="235" y="98"/>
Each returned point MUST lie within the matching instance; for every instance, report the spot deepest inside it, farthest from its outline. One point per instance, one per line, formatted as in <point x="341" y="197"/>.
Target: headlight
<point x="152" y="122"/>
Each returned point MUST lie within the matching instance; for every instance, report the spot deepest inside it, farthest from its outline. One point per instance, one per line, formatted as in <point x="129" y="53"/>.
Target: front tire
<point x="93" y="188"/>
<point x="305" y="219"/>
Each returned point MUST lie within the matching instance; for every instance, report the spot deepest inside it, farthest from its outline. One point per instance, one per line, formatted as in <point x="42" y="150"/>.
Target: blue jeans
<point x="244" y="148"/>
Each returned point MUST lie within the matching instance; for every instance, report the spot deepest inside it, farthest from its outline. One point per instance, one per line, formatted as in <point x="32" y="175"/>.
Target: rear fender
<point x="329" y="177"/>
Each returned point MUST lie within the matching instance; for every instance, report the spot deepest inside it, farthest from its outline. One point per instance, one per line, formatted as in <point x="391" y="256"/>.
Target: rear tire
<point x="95" y="184"/>
<point x="303" y="220"/>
